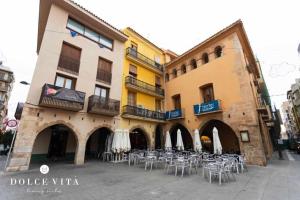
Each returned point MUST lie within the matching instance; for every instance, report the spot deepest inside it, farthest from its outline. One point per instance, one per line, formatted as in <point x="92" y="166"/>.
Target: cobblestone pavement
<point x="280" y="180"/>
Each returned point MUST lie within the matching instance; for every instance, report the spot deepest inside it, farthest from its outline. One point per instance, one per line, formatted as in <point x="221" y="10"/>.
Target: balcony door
<point x="131" y="98"/>
<point x="69" y="60"/>
<point x="207" y="93"/>
<point x="65" y="82"/>
<point x="102" y="92"/>
<point x="104" y="70"/>
<point x="177" y="101"/>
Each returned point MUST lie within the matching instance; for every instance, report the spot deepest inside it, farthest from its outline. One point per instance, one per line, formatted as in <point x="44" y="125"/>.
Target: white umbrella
<point x="117" y="141"/>
<point x="168" y="143"/>
<point x="127" y="145"/>
<point x="216" y="141"/>
<point x="179" y="143"/>
<point x="108" y="143"/>
<point x="197" y="142"/>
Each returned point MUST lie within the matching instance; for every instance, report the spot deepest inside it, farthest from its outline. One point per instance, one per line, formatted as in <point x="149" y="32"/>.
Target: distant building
<point x="293" y="108"/>
<point x="6" y="84"/>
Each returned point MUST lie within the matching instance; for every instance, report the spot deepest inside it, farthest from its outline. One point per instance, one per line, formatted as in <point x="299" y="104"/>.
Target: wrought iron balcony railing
<point x="68" y="64"/>
<point x="63" y="98"/>
<point x="100" y="105"/>
<point x="135" y="54"/>
<point x="6" y="77"/>
<point x="141" y="86"/>
<point x="142" y="112"/>
<point x="175" y="114"/>
<point x="208" y="107"/>
<point x="103" y="75"/>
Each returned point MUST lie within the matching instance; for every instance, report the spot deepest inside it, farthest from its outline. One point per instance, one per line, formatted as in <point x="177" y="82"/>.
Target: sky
<point x="272" y="28"/>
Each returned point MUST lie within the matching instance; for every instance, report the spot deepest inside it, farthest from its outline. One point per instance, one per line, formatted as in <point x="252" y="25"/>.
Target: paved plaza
<point x="97" y="180"/>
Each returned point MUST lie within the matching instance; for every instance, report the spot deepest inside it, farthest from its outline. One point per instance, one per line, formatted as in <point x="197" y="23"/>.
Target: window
<point x="104" y="70"/>
<point x="102" y="92"/>
<point x="158" y="105"/>
<point x="193" y="63"/>
<point x="134" y="49"/>
<point x="167" y="77"/>
<point x="65" y="82"/>
<point x="218" y="51"/>
<point x="183" y="69"/>
<point x="90" y="34"/>
<point x="132" y="71"/>
<point x="157" y="82"/>
<point x="69" y="59"/>
<point x="131" y="98"/>
<point x="207" y="93"/>
<point x="205" y="58"/>
<point x="157" y="60"/>
<point x="174" y="72"/>
<point x="177" y="101"/>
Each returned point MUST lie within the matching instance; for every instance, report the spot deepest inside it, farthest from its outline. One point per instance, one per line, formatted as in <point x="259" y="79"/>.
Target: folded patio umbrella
<point x="179" y="143"/>
<point x="168" y="143"/>
<point x="197" y="142"/>
<point x="216" y="141"/>
<point x="126" y="140"/>
<point x="117" y="143"/>
<point x="108" y="143"/>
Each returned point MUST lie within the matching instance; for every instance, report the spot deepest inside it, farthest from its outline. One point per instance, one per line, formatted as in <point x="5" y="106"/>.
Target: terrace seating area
<point x="211" y="167"/>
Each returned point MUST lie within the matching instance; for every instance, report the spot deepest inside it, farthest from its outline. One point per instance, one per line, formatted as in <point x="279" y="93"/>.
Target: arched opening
<point x="228" y="138"/>
<point x="186" y="136"/>
<point x="205" y="58"/>
<point x="158" y="137"/>
<point x="167" y="77"/>
<point x="193" y="63"/>
<point x="99" y="142"/>
<point x="218" y="51"/>
<point x="57" y="143"/>
<point x="138" y="139"/>
<point x="183" y="68"/>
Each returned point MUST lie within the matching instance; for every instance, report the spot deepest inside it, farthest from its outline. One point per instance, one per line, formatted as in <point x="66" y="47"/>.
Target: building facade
<point x="6" y="85"/>
<point x="218" y="84"/>
<point x="292" y="109"/>
<point x="73" y="103"/>
<point x="143" y="91"/>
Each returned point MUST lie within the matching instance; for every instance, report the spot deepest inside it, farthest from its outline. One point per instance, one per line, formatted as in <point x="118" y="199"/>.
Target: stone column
<point x="80" y="152"/>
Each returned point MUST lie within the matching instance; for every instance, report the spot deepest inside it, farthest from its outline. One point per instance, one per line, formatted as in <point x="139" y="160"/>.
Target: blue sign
<point x="174" y="114"/>
<point x="206" y="107"/>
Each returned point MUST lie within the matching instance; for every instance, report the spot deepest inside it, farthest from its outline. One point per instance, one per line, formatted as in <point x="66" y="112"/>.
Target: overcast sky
<point x="272" y="27"/>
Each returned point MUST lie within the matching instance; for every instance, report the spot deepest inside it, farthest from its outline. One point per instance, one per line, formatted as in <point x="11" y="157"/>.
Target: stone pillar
<point x="21" y="155"/>
<point x="80" y="152"/>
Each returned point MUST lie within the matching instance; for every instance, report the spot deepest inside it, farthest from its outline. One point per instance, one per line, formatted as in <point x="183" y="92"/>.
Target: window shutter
<point x="132" y="69"/>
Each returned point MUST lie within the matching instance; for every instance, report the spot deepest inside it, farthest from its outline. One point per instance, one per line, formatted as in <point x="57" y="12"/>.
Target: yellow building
<point x="142" y="91"/>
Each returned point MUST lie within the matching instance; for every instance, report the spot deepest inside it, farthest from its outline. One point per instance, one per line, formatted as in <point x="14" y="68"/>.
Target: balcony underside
<point x="102" y="111"/>
<point x="61" y="104"/>
<point x="144" y="64"/>
<point x="143" y="90"/>
<point x="130" y="116"/>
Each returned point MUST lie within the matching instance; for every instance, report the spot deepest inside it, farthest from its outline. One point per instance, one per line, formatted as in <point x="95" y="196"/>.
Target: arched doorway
<point x="186" y="136"/>
<point x="158" y="137"/>
<point x="228" y="138"/>
<point x="138" y="139"/>
<point x="57" y="143"/>
<point x="99" y="141"/>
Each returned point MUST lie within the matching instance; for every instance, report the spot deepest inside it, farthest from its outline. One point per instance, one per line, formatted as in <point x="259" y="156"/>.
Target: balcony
<point x="62" y="98"/>
<point x="68" y="64"/>
<point x="213" y="106"/>
<point x="103" y="106"/>
<point x="6" y="77"/>
<point x="143" y="60"/>
<point x="19" y="111"/>
<point x="140" y="86"/>
<point x="264" y="109"/>
<point x="134" y="112"/>
<point x="104" y="76"/>
<point x="175" y="114"/>
<point x="4" y="87"/>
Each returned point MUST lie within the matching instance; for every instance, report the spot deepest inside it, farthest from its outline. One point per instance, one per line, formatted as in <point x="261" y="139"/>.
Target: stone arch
<point x="145" y="133"/>
<point x="49" y="133"/>
<point x="228" y="137"/>
<point x="186" y="135"/>
<point x="96" y="128"/>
